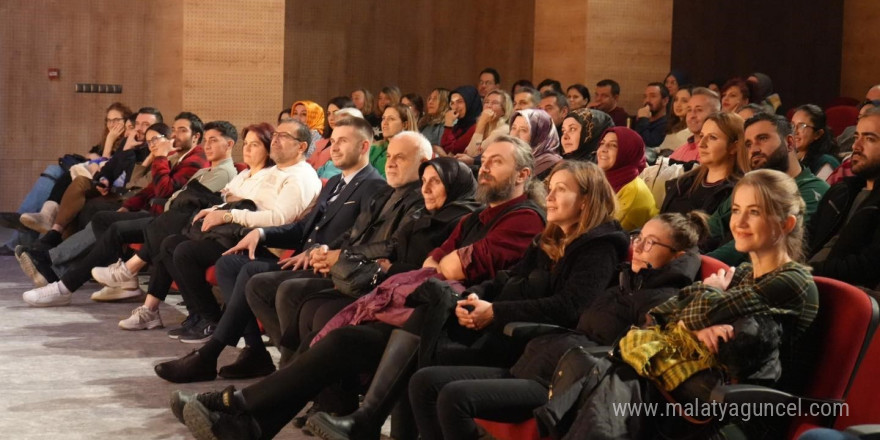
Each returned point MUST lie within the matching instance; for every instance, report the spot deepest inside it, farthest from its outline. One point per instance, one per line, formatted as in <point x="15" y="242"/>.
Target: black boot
<point x="395" y="368"/>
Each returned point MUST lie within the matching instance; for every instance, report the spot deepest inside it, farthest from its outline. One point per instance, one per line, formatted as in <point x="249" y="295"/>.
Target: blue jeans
<point x="33" y="202"/>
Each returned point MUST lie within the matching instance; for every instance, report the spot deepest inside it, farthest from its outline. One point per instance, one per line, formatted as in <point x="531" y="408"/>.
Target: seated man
<point x="605" y="98"/>
<point x="703" y="103"/>
<point x="770" y="145"/>
<point x="651" y="117"/>
<point x="844" y="239"/>
<point x="526" y="97"/>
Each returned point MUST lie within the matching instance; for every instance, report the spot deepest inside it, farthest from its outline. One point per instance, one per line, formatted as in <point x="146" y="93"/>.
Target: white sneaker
<point x="115" y="275"/>
<point x="142" y="318"/>
<point x="47" y="296"/>
<point x="110" y="294"/>
<point x="41" y="221"/>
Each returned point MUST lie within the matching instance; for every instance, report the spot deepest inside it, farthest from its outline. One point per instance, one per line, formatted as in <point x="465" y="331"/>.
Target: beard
<point x="866" y="168"/>
<point x="495" y="191"/>
<point x="778" y="160"/>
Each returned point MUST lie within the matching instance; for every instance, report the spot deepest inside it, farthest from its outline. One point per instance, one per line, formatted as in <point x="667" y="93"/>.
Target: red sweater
<point x="502" y="246"/>
<point x="166" y="180"/>
<point x="455" y="141"/>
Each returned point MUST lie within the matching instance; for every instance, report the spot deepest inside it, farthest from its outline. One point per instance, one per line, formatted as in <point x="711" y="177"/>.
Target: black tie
<point x="336" y="191"/>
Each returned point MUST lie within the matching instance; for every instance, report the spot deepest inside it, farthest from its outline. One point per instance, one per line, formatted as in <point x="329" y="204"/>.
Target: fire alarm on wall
<point x="54" y="73"/>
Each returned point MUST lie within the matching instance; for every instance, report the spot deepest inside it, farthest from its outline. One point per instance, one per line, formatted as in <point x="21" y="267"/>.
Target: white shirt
<point x="282" y="195"/>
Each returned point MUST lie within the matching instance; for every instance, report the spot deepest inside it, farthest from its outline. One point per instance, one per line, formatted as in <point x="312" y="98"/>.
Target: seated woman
<point x="396" y="118"/>
<point x="723" y="160"/>
<point x="677" y="133"/>
<point x="535" y="127"/>
<point x="665" y="259"/>
<point x="322" y="148"/>
<point x="580" y="247"/>
<point x="774" y="292"/>
<point x="735" y="94"/>
<point x="364" y="101"/>
<point x="581" y="131"/>
<point x="311" y="114"/>
<point x="497" y="107"/>
<point x="415" y="103"/>
<point x="448" y="190"/>
<point x="431" y="123"/>
<point x="814" y="141"/>
<point x="621" y="155"/>
<point x="578" y="96"/>
<point x="460" y="121"/>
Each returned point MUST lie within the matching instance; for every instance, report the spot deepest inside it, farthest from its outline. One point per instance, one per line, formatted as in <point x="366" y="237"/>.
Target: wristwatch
<point x="227" y="217"/>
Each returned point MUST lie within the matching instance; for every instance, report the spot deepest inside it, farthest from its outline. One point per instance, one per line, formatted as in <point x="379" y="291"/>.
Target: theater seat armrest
<point x="745" y="393"/>
<point x="529" y="330"/>
<point x="867" y="432"/>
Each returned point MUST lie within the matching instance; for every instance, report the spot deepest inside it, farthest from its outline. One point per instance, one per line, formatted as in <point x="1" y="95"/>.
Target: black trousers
<point x="164" y="272"/>
<point x="342" y="354"/>
<point x="233" y="274"/>
<point x="445" y="400"/>
<point x="273" y="310"/>
<point x="191" y="259"/>
<point x="124" y="228"/>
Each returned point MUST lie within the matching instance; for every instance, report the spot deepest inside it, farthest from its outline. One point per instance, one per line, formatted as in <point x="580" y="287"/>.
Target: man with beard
<point x="844" y="235"/>
<point x="651" y="118"/>
<point x="770" y="146"/>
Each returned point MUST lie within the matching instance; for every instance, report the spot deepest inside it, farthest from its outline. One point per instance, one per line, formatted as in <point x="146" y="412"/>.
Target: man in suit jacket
<point x="341" y="201"/>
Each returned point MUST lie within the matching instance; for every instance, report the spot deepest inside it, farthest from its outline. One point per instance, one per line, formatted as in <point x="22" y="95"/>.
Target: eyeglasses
<point x="283" y="136"/>
<point x="114" y="120"/>
<point x="156" y="140"/>
<point x="647" y="243"/>
<point x="801" y="126"/>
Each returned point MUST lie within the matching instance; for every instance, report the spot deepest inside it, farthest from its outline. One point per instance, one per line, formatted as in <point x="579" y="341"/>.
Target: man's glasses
<point x="283" y="136"/>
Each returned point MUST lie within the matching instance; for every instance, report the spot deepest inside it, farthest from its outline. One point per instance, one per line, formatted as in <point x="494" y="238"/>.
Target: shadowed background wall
<point x="245" y="60"/>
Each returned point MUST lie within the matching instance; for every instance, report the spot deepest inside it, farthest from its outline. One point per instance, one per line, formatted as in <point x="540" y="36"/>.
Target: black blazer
<point x="328" y="221"/>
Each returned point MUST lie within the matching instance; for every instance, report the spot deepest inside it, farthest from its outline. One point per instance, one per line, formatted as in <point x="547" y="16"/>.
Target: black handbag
<point x="354" y="274"/>
<point x="228" y="234"/>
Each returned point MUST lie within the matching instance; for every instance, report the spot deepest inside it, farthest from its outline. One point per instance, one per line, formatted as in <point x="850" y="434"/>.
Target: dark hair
<point x="495" y="75"/>
<point x="561" y="100"/>
<point x="225" y="128"/>
<point x="688" y="230"/>
<point x="745" y="88"/>
<point x="783" y="127"/>
<point x="160" y="128"/>
<point x="533" y="92"/>
<point x="556" y="85"/>
<point x="303" y="132"/>
<point x="664" y="92"/>
<point x="264" y="131"/>
<point x="341" y="102"/>
<point x="582" y="89"/>
<point x="281" y="114"/>
<point x="195" y="123"/>
<point x="126" y="115"/>
<point x="417" y="102"/>
<point x="131" y="118"/>
<point x="826" y="143"/>
<point x="151" y="111"/>
<point x="615" y="87"/>
<point x="519" y="84"/>
<point x="361" y="126"/>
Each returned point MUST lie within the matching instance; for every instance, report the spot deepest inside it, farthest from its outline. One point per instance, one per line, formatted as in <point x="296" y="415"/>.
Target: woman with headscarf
<point x="312" y="114"/>
<point x="461" y="120"/>
<point x="580" y="133"/>
<point x="536" y="127"/>
<point x="621" y="155"/>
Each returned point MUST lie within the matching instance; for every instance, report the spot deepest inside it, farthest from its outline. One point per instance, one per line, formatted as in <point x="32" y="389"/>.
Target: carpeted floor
<point x="70" y="373"/>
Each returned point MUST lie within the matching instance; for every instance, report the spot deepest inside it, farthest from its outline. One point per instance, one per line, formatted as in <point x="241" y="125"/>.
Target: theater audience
<point x="446" y="399"/>
<point x="816" y="147"/>
<point x="651" y="119"/>
<point x="556" y="105"/>
<point x="526" y="97"/>
<point x="490" y="80"/>
<point x="677" y="131"/>
<point x="764" y="94"/>
<point x="364" y="101"/>
<point x="321" y="155"/>
<point x="676" y="80"/>
<point x="581" y="132"/>
<point x="535" y="127"/>
<point x="415" y="103"/>
<point x="311" y="114"/>
<point x="578" y="96"/>
<point x="493" y="120"/>
<point x="460" y="121"/>
<point x="769" y="144"/>
<point x="621" y="156"/>
<point x="735" y="94"/>
<point x="549" y="85"/>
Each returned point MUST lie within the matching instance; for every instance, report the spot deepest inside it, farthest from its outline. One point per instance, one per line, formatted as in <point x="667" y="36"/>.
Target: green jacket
<point x="378" y="156"/>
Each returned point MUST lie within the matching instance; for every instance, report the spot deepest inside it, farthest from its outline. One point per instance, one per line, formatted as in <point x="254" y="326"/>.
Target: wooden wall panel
<point x="335" y="46"/>
<point x="591" y="40"/>
<point x="797" y="43"/>
<point x="860" y="65"/>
